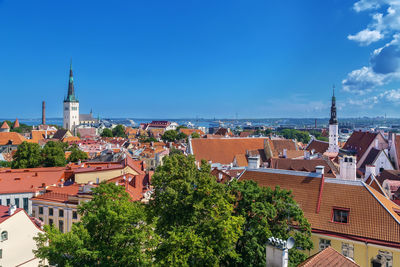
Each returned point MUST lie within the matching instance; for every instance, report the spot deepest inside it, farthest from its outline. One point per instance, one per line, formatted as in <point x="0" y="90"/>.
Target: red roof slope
<point x="307" y="165"/>
<point x="4" y="213"/>
<point x="359" y="142"/>
<point x="328" y="258"/>
<point x="223" y="150"/>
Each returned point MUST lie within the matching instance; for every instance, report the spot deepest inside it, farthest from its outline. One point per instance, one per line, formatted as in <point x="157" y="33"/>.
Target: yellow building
<point x="355" y="217"/>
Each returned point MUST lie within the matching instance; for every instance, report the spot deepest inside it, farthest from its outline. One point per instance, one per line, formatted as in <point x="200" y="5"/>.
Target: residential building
<point x="355" y="218"/>
<point x="17" y="230"/>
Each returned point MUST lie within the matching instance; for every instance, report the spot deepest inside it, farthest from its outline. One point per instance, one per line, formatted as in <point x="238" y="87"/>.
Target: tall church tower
<point x="71" y="106"/>
<point x="333" y="127"/>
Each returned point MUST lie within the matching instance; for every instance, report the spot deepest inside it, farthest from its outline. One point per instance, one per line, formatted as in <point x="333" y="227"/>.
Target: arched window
<point x="4" y="236"/>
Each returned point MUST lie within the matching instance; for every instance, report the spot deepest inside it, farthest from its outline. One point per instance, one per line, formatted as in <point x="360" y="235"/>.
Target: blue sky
<point x="208" y="58"/>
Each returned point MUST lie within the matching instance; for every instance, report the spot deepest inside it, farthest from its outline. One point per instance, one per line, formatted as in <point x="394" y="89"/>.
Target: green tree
<point x="195" y="135"/>
<point x="119" y="131"/>
<point x="173" y="151"/>
<point x="181" y="136"/>
<point x="169" y="136"/>
<point x="106" y="133"/>
<point x="300" y="136"/>
<point x="28" y="155"/>
<point x="146" y="139"/>
<point x="53" y="154"/>
<point x="268" y="212"/>
<point x="76" y="155"/>
<point x="193" y="215"/>
<point x="111" y="232"/>
<point x="5" y="164"/>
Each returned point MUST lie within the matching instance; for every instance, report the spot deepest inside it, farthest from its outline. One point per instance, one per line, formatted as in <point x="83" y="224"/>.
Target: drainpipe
<point x="366" y="254"/>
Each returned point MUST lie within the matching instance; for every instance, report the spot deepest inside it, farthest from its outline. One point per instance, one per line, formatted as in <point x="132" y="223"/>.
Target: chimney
<point x="285" y="153"/>
<point x="319" y="169"/>
<point x="44" y="113"/>
<point x="376" y="143"/>
<point x="369" y="169"/>
<point x="306" y="154"/>
<point x="348" y="168"/>
<point x="278" y="251"/>
<point x="254" y="162"/>
<point x="11" y="209"/>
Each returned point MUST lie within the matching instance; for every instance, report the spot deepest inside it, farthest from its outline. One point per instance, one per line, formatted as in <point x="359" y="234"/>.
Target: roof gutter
<point x="321" y="188"/>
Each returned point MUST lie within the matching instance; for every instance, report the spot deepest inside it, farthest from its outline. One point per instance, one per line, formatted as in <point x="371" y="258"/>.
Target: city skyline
<point x="187" y="60"/>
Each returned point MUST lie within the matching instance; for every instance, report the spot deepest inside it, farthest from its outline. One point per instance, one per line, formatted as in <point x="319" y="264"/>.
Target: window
<point x="1" y="253"/>
<point x="324" y="243"/>
<point x="8" y="201"/>
<point x="340" y="215"/>
<point x="4" y="236"/>
<point x="0" y="201"/>
<point x="51" y="222"/>
<point x="16" y="202"/>
<point x="50" y="211"/>
<point x="348" y="250"/>
<point x="33" y="213"/>
<point x="60" y="213"/>
<point x="26" y="203"/>
<point x="40" y="218"/>
<point x="61" y="226"/>
<point x="74" y="215"/>
<point x="40" y="210"/>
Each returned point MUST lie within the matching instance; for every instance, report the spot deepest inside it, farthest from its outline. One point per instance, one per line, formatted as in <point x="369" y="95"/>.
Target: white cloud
<point x="391" y="95"/>
<point x="384" y="61"/>
<point x="362" y="80"/>
<point x="366" y="37"/>
<point x="366" y="5"/>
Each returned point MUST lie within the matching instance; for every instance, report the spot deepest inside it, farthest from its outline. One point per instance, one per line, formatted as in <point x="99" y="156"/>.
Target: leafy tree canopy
<point x="106" y="133"/>
<point x="76" y="155"/>
<point x="53" y="154"/>
<point x="268" y="212"/>
<point x="300" y="136"/>
<point x="28" y="155"/>
<point x="193" y="215"/>
<point x="195" y="135"/>
<point x="111" y="232"/>
<point x="119" y="131"/>
<point x="169" y="136"/>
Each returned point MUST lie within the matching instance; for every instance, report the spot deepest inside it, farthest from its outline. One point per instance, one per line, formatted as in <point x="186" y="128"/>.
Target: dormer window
<point x="340" y="215"/>
<point x="4" y="236"/>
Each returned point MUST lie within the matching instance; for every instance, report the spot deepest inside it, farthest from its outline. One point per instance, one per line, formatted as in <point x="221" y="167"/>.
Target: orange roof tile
<point x="5" y="125"/>
<point x="11" y="138"/>
<point x="29" y="180"/>
<point x="328" y="258"/>
<point x="16" y="123"/>
<point x="190" y="131"/>
<point x="223" y="150"/>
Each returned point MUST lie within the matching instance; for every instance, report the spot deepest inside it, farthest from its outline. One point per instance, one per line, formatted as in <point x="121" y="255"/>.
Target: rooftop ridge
<point x="342" y="181"/>
<point x="289" y="172"/>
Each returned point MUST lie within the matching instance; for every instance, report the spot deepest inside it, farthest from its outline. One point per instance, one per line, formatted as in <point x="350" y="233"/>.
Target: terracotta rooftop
<point x="223" y="150"/>
<point x="11" y="138"/>
<point x="318" y="146"/>
<point x="307" y="165"/>
<point x="16" y="123"/>
<point x="4" y="213"/>
<point x="328" y="258"/>
<point x="373" y="217"/>
<point x="29" y="180"/>
<point x="359" y="142"/>
<point x="5" y="125"/>
<point x="190" y="131"/>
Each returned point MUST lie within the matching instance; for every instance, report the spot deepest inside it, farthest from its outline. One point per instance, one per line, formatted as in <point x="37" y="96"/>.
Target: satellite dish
<point x="290" y="243"/>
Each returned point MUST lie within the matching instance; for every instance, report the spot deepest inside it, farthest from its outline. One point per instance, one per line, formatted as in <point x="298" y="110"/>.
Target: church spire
<point x="333" y="119"/>
<point x="71" y="91"/>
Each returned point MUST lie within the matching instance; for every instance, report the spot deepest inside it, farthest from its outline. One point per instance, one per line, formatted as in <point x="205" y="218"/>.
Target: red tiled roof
<point x="328" y="258"/>
<point x="359" y="142"/>
<point x="11" y="137"/>
<point x="318" y="146"/>
<point x="190" y="131"/>
<point x="5" y="125"/>
<point x="223" y="150"/>
<point x="29" y="180"/>
<point x="16" y="123"/>
<point x="4" y="213"/>
<point x="302" y="165"/>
